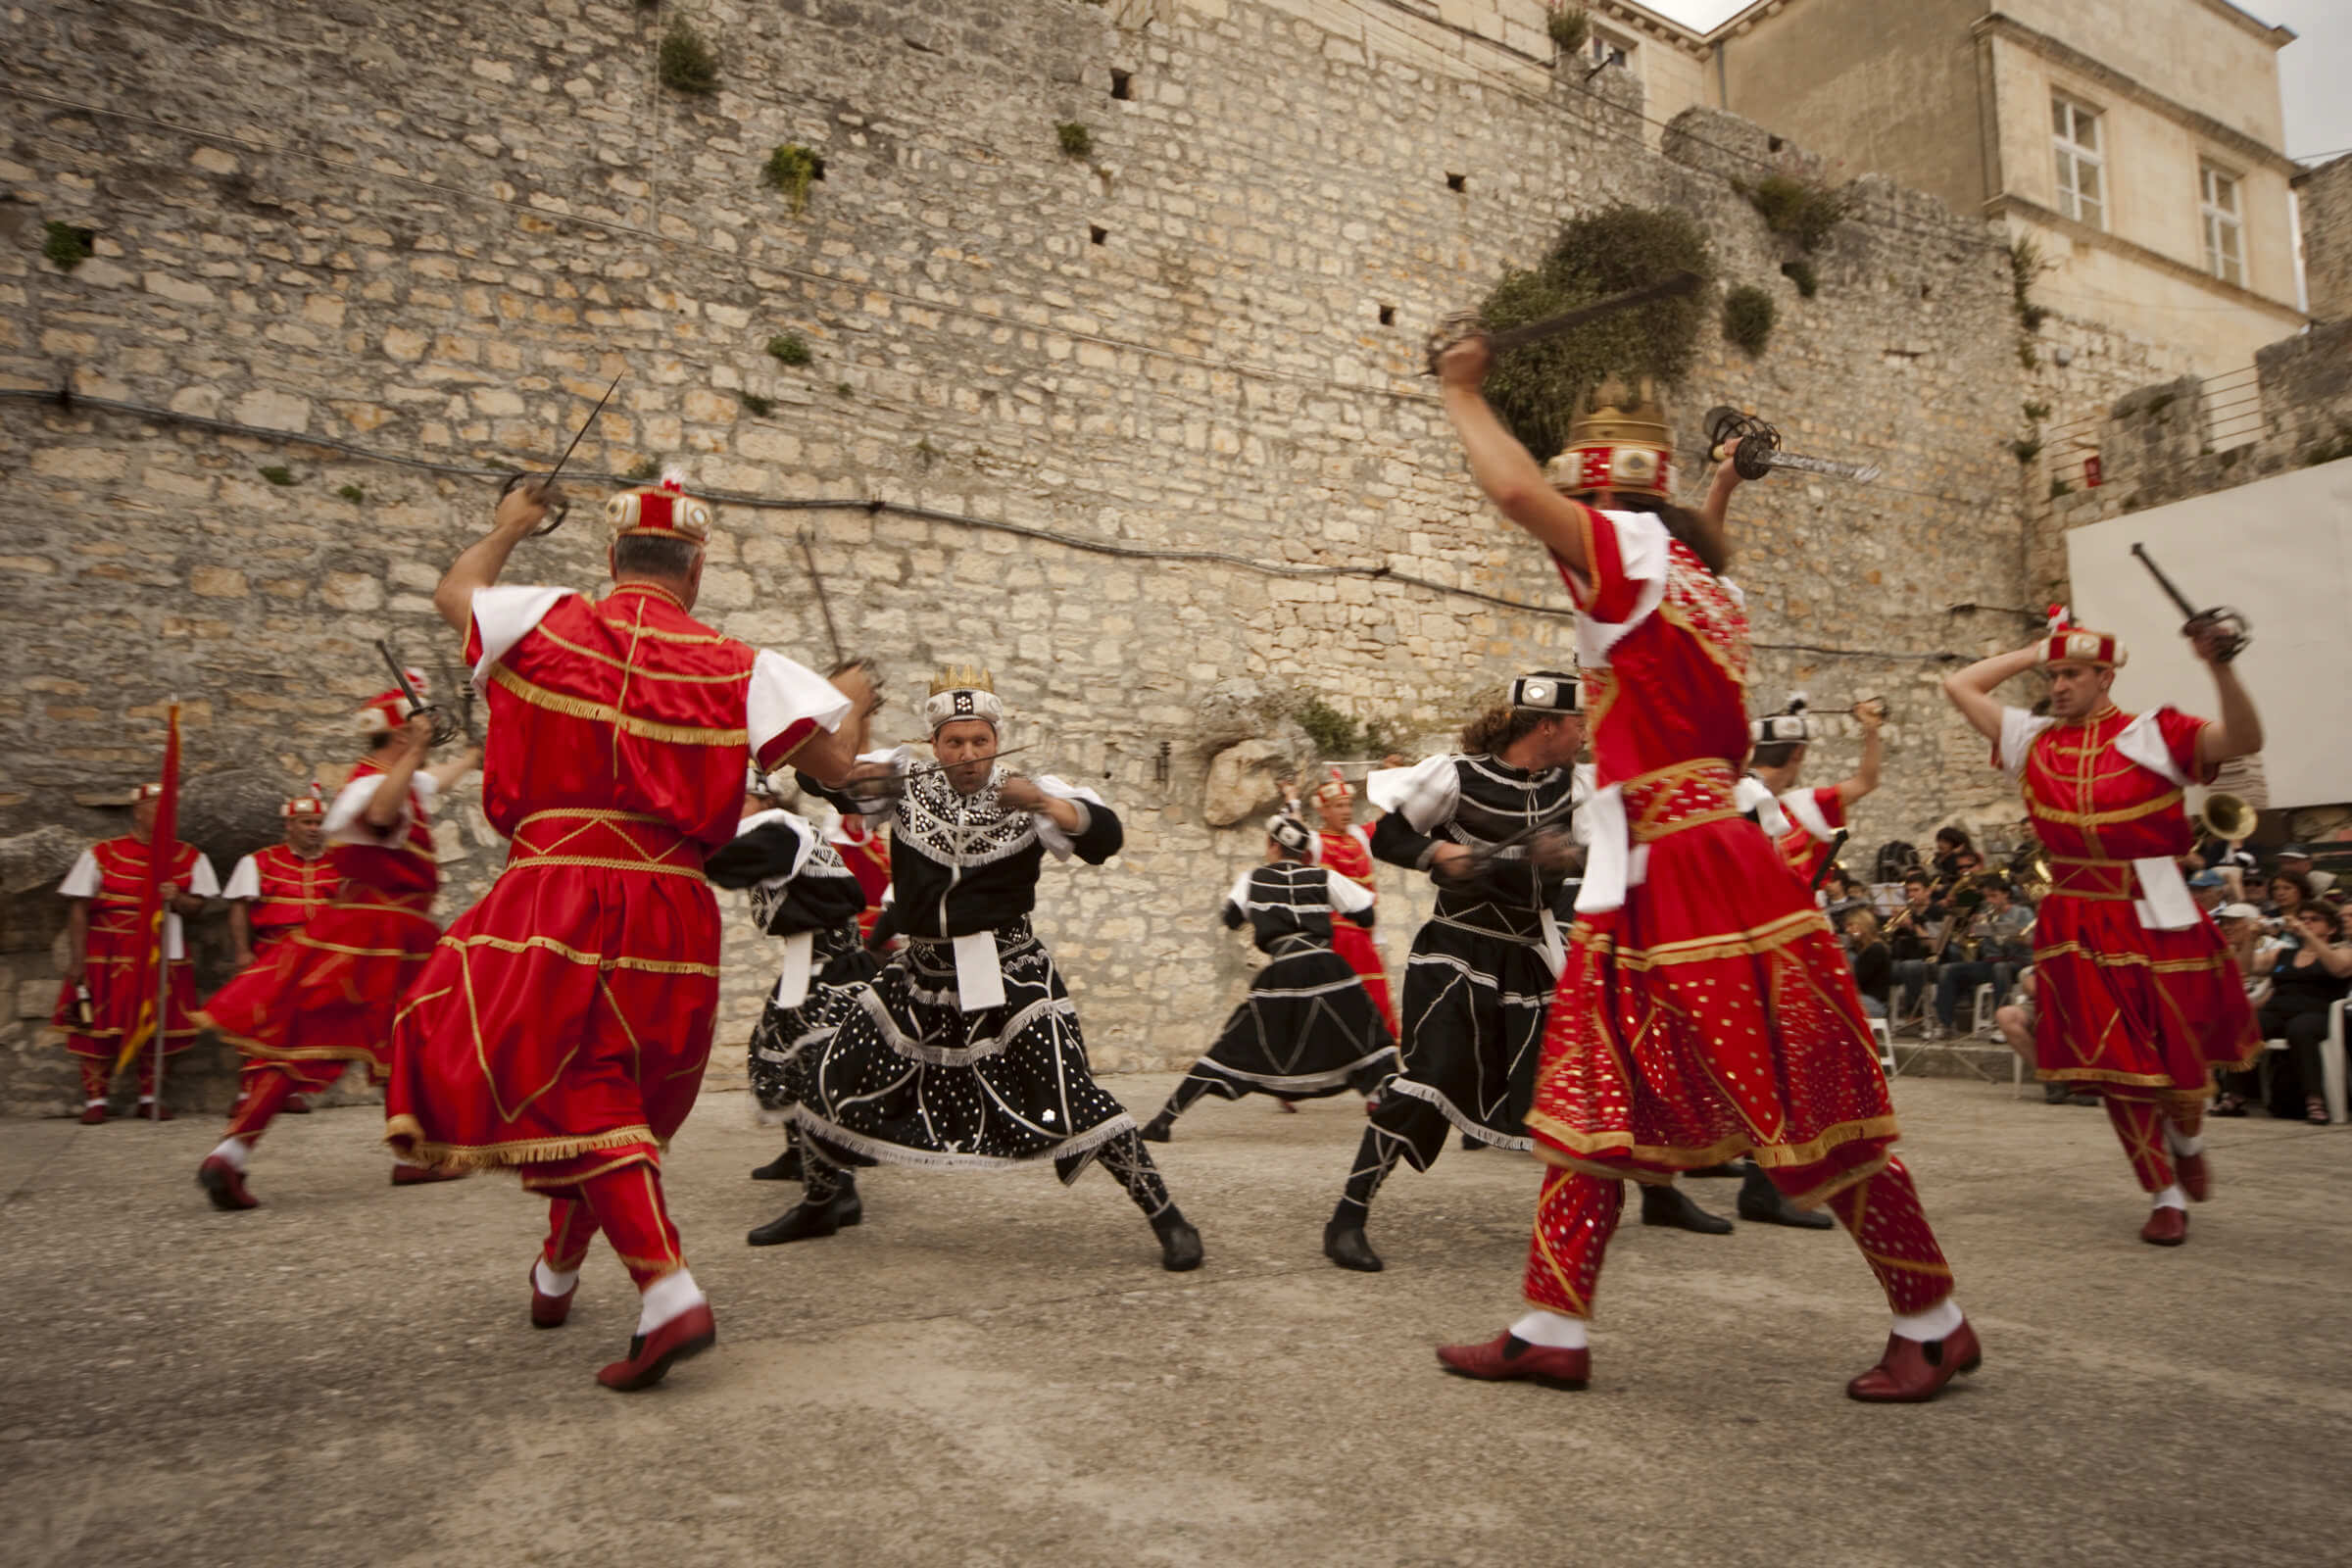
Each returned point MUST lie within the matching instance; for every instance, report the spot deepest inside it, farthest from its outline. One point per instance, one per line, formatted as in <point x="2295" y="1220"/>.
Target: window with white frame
<point x="2077" y="138"/>
<point x="2225" y="231"/>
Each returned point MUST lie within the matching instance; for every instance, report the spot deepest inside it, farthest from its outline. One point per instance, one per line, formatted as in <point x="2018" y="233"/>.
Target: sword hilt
<point x="558" y="509"/>
<point x="1747" y="442"/>
<point x="2237" y="630"/>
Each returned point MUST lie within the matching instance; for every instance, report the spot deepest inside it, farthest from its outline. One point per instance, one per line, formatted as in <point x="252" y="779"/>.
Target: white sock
<point x="665" y="1299"/>
<point x="1936" y="1323"/>
<point x="2181" y="1143"/>
<point x="551" y="1283"/>
<point x="2171" y="1198"/>
<point x="146" y="1099"/>
<point x="233" y="1152"/>
<point x="1555" y="1331"/>
<point x="87" y="1104"/>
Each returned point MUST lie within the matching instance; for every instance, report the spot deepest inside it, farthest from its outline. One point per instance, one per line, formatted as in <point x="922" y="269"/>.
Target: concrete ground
<point x="993" y="1370"/>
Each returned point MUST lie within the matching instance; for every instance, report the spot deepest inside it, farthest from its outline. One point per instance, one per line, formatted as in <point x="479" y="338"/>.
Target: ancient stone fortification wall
<point x="2323" y="198"/>
<point x="436" y="230"/>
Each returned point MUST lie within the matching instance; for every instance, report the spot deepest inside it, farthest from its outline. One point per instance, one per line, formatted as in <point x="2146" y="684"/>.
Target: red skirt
<point x="329" y="993"/>
<point x="563" y="1022"/>
<point x="120" y="981"/>
<point x="1354" y="943"/>
<point x="1713" y="1015"/>
<point x="2133" y="1009"/>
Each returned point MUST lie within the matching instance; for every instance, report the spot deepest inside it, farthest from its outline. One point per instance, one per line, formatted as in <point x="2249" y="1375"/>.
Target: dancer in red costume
<point x="1706" y="1010"/>
<point x="325" y="997"/>
<point x="106" y="973"/>
<point x="1811" y="820"/>
<point x="276" y="890"/>
<point x="2139" y="998"/>
<point x="563" y="1024"/>
<point x="1348" y="850"/>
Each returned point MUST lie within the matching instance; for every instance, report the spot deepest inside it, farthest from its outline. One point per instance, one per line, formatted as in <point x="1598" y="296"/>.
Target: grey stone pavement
<point x="993" y="1370"/>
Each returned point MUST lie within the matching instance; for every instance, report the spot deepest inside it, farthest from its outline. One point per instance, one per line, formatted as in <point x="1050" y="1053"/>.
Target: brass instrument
<point x="1963" y="899"/>
<point x="2226" y="816"/>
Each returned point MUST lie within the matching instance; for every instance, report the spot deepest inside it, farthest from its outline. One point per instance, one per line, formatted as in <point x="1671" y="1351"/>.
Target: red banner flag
<point x="154" y="922"/>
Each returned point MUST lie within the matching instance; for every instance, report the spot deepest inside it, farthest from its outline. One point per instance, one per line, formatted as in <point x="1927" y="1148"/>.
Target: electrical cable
<point x="68" y="402"/>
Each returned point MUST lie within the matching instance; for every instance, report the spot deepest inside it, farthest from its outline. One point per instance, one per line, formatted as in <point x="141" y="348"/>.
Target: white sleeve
<point x="2142" y="741"/>
<point x="344" y="824"/>
<point x="1048" y="831"/>
<point x="83" y="881"/>
<point x="1752" y="793"/>
<point x="203" y="880"/>
<point x="786" y="704"/>
<point x="1805" y="811"/>
<point x="1347" y="895"/>
<point x="1239" y="894"/>
<point x="502" y="615"/>
<point x="1643" y="560"/>
<point x="1581" y="779"/>
<point x="1424" y="795"/>
<point x="245" y="882"/>
<point x="2019" y="729"/>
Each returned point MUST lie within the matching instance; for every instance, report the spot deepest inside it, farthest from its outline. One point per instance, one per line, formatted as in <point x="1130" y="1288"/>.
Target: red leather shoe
<point x="1504" y="1358"/>
<point x="1915" y="1371"/>
<point x="224" y="1184"/>
<point x="420" y="1175"/>
<point x="2165" y="1227"/>
<point x="92" y="1115"/>
<point x="156" y="1111"/>
<point x="2194" y="1176"/>
<point x="550" y="1311"/>
<point x="690" y="1333"/>
<point x="295" y="1105"/>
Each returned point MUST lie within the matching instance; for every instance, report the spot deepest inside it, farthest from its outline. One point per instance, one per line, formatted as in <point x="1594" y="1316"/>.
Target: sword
<point x="416" y="703"/>
<point x="560" y="509"/>
<point x="1754" y="449"/>
<point x="2237" y="630"/>
<point x="1459" y="329"/>
<point x="1821" y="872"/>
<point x="823" y="604"/>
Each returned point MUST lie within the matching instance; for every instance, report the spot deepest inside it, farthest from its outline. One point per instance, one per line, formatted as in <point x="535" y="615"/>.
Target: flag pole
<point x="162" y="948"/>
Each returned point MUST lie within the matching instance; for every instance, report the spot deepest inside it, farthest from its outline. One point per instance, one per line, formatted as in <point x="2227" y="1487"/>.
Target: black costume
<point x="1308" y="1028"/>
<point x="965" y="1048"/>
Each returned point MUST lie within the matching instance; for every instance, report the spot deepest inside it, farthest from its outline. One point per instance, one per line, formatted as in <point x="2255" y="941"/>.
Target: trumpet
<point x="2227" y="817"/>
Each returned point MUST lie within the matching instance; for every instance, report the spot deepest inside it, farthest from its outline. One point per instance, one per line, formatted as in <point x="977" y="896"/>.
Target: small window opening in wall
<point x="1457" y="183"/>
<point x="1388" y="316"/>
<point x="1097" y="233"/>
<point x="1926" y="289"/>
<point x="1775" y="143"/>
<point x="1122" y="86"/>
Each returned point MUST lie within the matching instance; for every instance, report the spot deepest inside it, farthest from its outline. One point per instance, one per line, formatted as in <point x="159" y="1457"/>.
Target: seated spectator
<point x="2232" y="862"/>
<point x="1950" y="844"/>
<point x="1873" y="961"/>
<point x="2242" y="932"/>
<point x="2016" y="1020"/>
<point x="1911" y="934"/>
<point x="1840" y="893"/>
<point x="2304" y="984"/>
<point x="2209" y="890"/>
<point x="2002" y="933"/>
<point x="2296" y="860"/>
<point x="2288" y="892"/>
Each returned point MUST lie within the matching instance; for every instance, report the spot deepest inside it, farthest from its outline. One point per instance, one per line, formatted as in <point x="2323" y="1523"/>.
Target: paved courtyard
<point x="993" y="1370"/>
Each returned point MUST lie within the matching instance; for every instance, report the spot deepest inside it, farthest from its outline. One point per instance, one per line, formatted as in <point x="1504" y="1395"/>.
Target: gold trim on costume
<point x="605" y="712"/>
<point x="1752" y="943"/>
<point x="535" y="861"/>
<point x="577" y="956"/>
<point x="1576" y="1142"/>
<point x="2122" y="814"/>
<point x="520" y="1152"/>
<point x="737" y="676"/>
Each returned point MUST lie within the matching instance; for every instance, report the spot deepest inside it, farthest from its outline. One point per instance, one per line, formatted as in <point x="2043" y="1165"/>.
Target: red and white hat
<point x="2070" y="644"/>
<point x="310" y="805"/>
<point x="1334" y="788"/>
<point x="146" y="792"/>
<point x="663" y="510"/>
<point x="1620" y="442"/>
<point x="388" y="711"/>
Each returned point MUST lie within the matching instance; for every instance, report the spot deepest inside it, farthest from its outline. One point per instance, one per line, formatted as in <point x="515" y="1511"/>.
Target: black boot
<point x="806" y="1220"/>
<point x="1157" y="1130"/>
<point x="1469" y="1141"/>
<point x="1730" y="1167"/>
<point x="785" y="1167"/>
<point x="1672" y="1206"/>
<point x="1179" y="1242"/>
<point x="1344" y="1245"/>
<point x="1762" y="1204"/>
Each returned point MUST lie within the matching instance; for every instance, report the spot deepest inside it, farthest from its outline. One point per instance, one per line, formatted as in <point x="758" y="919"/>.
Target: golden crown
<point x="1616" y="415"/>
<point x="961" y="678"/>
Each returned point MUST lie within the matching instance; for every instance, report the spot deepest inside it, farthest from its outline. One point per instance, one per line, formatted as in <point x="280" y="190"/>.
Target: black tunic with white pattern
<point x="1479" y="982"/>
<point x="895" y="1071"/>
<point x="1308" y="1028"/>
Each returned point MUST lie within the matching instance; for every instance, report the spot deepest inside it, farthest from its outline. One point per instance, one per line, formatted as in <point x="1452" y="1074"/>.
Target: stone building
<point x="1134" y="417"/>
<point x="2324" y="195"/>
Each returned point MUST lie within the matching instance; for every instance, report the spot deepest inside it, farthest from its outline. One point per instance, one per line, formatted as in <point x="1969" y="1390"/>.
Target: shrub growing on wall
<point x="1536" y="388"/>
<point x="686" y="64"/>
<point x="1747" y="318"/>
<point x="1806" y="212"/>
<point x="790" y="169"/>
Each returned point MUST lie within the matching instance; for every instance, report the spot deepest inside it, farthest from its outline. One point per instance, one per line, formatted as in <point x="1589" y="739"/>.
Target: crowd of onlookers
<point x="1928" y="943"/>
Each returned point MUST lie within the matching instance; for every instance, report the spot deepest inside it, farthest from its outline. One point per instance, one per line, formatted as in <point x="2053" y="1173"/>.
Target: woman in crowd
<point x="2290" y="892"/>
<point x="2242" y="926"/>
<point x="2305" y="983"/>
<point x="1840" y="895"/>
<point x="1872" y="958"/>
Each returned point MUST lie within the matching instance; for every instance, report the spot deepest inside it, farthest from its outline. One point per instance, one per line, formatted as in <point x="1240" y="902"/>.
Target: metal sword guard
<point x="2238" y="631"/>
<point x="558" y="509"/>
<point x="1748" y="441"/>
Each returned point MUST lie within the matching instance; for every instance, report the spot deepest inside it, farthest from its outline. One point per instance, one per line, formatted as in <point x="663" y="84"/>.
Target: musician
<point x="1914" y="934"/>
<point x="2138" y="997"/>
<point x="1952" y="846"/>
<point x="1995" y="941"/>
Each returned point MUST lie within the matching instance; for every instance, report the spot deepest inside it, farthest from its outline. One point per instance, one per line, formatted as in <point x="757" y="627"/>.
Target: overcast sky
<point x="2310" y="70"/>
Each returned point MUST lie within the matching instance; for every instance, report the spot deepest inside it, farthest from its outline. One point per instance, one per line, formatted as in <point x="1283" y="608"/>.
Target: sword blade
<point x="2164" y="582"/>
<point x="1671" y="287"/>
<point x="583" y="429"/>
<point x="1798" y="462"/>
<point x="400" y="676"/>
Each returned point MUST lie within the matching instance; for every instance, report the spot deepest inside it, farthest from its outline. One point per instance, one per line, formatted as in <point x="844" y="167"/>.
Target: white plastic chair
<point x="1980" y="1010"/>
<point x="1884" y="1034"/>
<point x="2331" y="1065"/>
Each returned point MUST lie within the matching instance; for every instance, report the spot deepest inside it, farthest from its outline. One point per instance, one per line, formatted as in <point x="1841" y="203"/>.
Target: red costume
<point x="563" y="1024"/>
<point x="1706" y="1010"/>
<point x="285" y="891"/>
<point x="326" y="996"/>
<point x="867" y="853"/>
<point x="1815" y="815"/>
<point x="112" y="876"/>
<point x="2138" y="996"/>
<point x="1349" y="854"/>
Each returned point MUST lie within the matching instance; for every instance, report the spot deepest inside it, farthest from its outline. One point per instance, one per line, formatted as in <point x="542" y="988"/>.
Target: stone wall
<point x="437" y="232"/>
<point x="2324" y="202"/>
